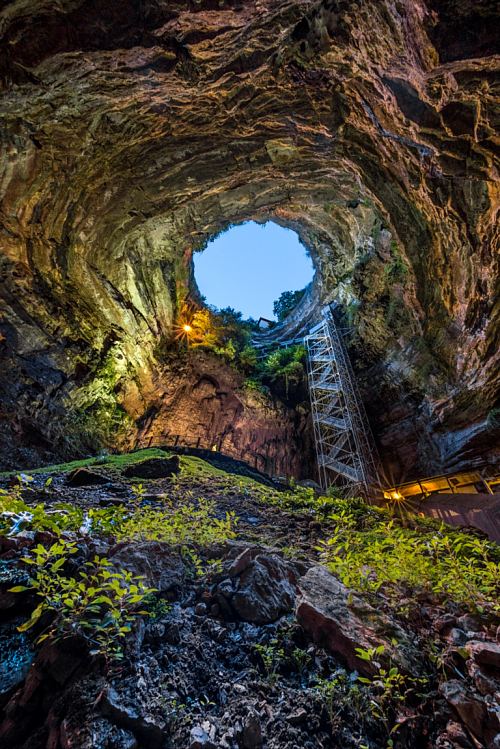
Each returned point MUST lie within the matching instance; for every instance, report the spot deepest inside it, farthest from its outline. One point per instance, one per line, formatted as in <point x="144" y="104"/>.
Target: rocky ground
<point x="134" y="132"/>
<point x="248" y="642"/>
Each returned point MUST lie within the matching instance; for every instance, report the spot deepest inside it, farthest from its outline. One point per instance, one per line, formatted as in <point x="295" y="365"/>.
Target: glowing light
<point x="397" y="495"/>
<point x="187" y="328"/>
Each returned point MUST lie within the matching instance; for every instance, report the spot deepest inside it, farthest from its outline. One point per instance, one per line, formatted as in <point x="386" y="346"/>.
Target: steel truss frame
<point x="344" y="447"/>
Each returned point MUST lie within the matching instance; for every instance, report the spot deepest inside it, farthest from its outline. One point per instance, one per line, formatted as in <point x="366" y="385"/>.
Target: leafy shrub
<point x="285" y="365"/>
<point x="248" y="359"/>
<point x="99" y="605"/>
<point x="60" y="517"/>
<point x="389" y="688"/>
<point x="272" y="657"/>
<point x="188" y="524"/>
<point x="254" y="385"/>
<point x="368" y="551"/>
<point x="228" y="351"/>
<point x="286" y="303"/>
<point x="156" y="607"/>
<point x="397" y="269"/>
<point x="340" y="693"/>
<point x="303" y="499"/>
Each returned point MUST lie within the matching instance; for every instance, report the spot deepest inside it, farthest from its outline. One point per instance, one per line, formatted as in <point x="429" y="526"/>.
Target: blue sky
<point x="250" y="265"/>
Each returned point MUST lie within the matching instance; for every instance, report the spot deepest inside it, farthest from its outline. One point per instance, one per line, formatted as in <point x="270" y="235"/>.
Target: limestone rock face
<point x="341" y="621"/>
<point x="200" y="401"/>
<point x="131" y="133"/>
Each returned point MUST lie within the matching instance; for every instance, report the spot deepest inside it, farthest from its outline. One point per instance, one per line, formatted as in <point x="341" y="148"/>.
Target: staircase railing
<point x="345" y="450"/>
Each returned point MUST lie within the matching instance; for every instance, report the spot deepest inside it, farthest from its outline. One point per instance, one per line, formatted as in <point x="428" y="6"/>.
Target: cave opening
<point x="258" y="269"/>
<point x="192" y="553"/>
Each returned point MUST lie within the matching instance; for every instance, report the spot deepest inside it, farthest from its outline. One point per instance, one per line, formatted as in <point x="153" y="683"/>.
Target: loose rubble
<point x="241" y="655"/>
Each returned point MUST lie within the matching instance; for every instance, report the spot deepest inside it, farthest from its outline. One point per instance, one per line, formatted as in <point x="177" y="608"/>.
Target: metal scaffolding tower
<point x="344" y="447"/>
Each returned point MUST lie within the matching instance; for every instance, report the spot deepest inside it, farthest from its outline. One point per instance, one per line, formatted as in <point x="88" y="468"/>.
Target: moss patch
<point x="115" y="461"/>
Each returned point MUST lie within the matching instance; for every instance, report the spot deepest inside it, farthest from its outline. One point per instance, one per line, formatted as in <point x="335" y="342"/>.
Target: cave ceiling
<point x="133" y="132"/>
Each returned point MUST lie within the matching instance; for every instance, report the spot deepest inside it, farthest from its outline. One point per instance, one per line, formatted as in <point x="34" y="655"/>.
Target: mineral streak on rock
<point x="131" y="133"/>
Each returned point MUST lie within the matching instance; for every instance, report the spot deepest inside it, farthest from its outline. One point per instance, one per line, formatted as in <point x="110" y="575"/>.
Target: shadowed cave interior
<point x="152" y="436"/>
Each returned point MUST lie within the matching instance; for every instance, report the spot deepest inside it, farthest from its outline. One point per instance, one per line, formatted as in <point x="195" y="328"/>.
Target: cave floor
<point x="265" y="515"/>
<point x="222" y="660"/>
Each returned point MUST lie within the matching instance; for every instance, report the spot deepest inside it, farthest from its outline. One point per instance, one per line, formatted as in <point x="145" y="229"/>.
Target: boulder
<point x="160" y="564"/>
<point x="455" y="737"/>
<point x="243" y="561"/>
<point x="484" y="682"/>
<point x="54" y="668"/>
<point x="443" y="624"/>
<point x="265" y="590"/>
<point x="151" y="733"/>
<point x="485" y="653"/>
<point x="340" y="621"/>
<point x="456" y="637"/>
<point x="85" y="477"/>
<point x="251" y="735"/>
<point x="480" y="717"/>
<point x="298" y="717"/>
<point x="469" y="623"/>
<point x="96" y="733"/>
<point x="199" y="738"/>
<point x="11" y="574"/>
<point x="153" y="468"/>
<point x="17" y="656"/>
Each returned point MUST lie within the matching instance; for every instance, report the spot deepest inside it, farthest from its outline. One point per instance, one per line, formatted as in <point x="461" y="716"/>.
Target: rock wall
<point x="203" y="402"/>
<point x="131" y="133"/>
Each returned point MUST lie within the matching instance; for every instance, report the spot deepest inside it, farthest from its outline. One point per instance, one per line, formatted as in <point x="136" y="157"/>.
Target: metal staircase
<point x="344" y="447"/>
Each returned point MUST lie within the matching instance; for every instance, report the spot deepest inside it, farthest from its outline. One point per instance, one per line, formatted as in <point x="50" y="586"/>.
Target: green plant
<point x="376" y="230"/>
<point x="139" y="493"/>
<point x="286" y="303"/>
<point x="272" y="656"/>
<point x="397" y="269"/>
<point x="339" y="693"/>
<point x="189" y="524"/>
<point x="59" y="518"/>
<point x="224" y="332"/>
<point x="370" y="552"/>
<point x="291" y="552"/>
<point x="100" y="605"/>
<point x="174" y="709"/>
<point x="286" y="365"/>
<point x="248" y="358"/>
<point x="16" y="514"/>
<point x="254" y="385"/>
<point x="327" y="690"/>
<point x="389" y="688"/>
<point x="214" y="567"/>
<point x="157" y="608"/>
<point x="437" y="655"/>
<point x="227" y="351"/>
<point x="95" y="418"/>
<point x="105" y="520"/>
<point x="194" y="561"/>
<point x="301" y="658"/>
